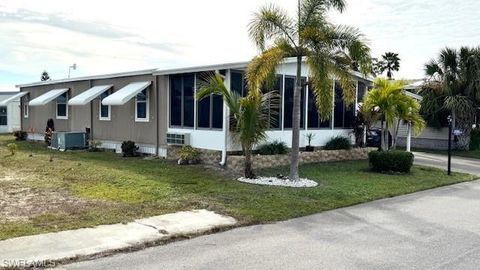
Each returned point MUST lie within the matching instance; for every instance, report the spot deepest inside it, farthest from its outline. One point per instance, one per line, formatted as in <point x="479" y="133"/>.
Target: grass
<point x="467" y="154"/>
<point x="117" y="189"/>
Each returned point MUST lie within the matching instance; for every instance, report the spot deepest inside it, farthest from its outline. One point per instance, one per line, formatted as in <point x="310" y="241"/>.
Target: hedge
<point x="391" y="161"/>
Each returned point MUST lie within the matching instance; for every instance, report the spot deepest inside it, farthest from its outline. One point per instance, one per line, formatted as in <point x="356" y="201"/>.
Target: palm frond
<point x="263" y="67"/>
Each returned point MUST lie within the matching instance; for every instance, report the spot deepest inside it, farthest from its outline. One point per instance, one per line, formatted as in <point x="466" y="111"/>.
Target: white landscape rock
<point x="275" y="181"/>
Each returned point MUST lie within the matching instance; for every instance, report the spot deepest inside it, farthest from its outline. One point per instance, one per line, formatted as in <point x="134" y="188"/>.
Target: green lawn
<point x="81" y="189"/>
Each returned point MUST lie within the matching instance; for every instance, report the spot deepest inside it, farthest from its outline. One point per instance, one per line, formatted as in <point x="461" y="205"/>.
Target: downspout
<point x="91" y="113"/>
<point x="226" y="122"/>
<point x="157" y="111"/>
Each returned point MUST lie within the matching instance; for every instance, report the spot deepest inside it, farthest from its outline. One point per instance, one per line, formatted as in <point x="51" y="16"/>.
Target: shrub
<point x="189" y="155"/>
<point x="20" y="135"/>
<point x="475" y="139"/>
<point x="338" y="143"/>
<point x="273" y="148"/>
<point x="129" y="149"/>
<point x="12" y="147"/>
<point x="391" y="161"/>
<point x="94" y="146"/>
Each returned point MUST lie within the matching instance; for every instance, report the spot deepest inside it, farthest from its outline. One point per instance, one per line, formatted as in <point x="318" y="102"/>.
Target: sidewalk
<point x="60" y="246"/>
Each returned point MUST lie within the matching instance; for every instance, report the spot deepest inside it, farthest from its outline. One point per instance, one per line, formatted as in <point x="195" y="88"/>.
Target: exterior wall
<point x="236" y="163"/>
<point x="430" y="138"/>
<point x="13" y="114"/>
<point x="78" y="116"/>
<point x="122" y="125"/>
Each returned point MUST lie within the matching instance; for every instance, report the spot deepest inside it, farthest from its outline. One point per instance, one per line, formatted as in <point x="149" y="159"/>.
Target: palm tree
<point x="329" y="50"/>
<point x="250" y="115"/>
<point x="391" y="62"/>
<point x="454" y="86"/>
<point x="390" y="104"/>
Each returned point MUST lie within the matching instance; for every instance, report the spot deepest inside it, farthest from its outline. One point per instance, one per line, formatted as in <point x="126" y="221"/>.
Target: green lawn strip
<point x="122" y="189"/>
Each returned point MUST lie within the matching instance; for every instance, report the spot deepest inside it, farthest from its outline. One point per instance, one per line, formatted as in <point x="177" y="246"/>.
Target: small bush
<point x="339" y="143"/>
<point x="129" y="149"/>
<point x="273" y="148"/>
<point x="189" y="155"/>
<point x="20" y="135"/>
<point x="12" y="147"/>
<point x="94" y="146"/>
<point x="390" y="161"/>
<point x="475" y="139"/>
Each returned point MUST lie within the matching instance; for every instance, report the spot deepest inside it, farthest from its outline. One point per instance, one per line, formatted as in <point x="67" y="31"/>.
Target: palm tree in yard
<point x="388" y="102"/>
<point x="391" y="63"/>
<point x="330" y="51"/>
<point x="454" y="86"/>
<point x="250" y="115"/>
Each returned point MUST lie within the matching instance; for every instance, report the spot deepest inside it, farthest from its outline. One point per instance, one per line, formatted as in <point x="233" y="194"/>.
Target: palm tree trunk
<point x="248" y="163"/>
<point x="382" y="136"/>
<point x="387" y="141"/>
<point x="296" y="122"/>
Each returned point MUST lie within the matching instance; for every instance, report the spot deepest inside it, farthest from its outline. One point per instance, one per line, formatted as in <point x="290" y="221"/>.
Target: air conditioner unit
<point x="68" y="140"/>
<point x="178" y="138"/>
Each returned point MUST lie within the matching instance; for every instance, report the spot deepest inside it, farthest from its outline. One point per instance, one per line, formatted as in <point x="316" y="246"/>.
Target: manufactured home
<point x="9" y="112"/>
<point x="157" y="109"/>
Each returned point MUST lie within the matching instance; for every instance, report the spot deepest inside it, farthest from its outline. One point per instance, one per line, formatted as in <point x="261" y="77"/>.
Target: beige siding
<point x="122" y="125"/>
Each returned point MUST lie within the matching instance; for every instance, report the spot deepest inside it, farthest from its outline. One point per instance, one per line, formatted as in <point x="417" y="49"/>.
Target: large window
<point x="313" y="117"/>
<point x="62" y="107"/>
<point x="275" y="110"/>
<point x="141" y="106"/>
<point x="182" y="100"/>
<point x="209" y="109"/>
<point x="3" y="116"/>
<point x="288" y="103"/>
<point x="362" y="88"/>
<point x="105" y="110"/>
<point x="342" y="115"/>
<point x="238" y="83"/>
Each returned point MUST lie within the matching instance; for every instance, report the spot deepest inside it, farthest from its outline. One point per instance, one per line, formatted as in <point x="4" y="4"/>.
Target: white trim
<point x="94" y="77"/>
<point x="26" y="109"/>
<point x="66" y="108"/>
<point x="100" y="109"/>
<point x="147" y="102"/>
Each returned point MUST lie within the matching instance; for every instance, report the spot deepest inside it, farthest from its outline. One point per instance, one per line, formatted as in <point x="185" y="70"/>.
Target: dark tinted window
<point x="142" y="110"/>
<point x="361" y="90"/>
<point x="217" y="111"/>
<point x="209" y="109"/>
<point x="338" y="111"/>
<point x="237" y="83"/>
<point x="176" y="101"/>
<point x="104" y="113"/>
<point x="188" y="99"/>
<point x="288" y="105"/>
<point x="3" y="116"/>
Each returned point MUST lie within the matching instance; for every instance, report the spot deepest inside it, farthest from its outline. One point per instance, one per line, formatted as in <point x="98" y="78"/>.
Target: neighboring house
<point x="431" y="137"/>
<point x="157" y="108"/>
<point x="9" y="112"/>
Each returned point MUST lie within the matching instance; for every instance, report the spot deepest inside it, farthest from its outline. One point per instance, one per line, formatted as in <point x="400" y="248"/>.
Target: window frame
<point x="100" y="117"/>
<point x="62" y="117"/>
<point x="147" y="104"/>
<point x="26" y="108"/>
<point x="6" y="115"/>
<point x="211" y="103"/>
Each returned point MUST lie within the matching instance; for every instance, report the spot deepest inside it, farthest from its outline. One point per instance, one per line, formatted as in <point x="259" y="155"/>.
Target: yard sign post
<point x="449" y="145"/>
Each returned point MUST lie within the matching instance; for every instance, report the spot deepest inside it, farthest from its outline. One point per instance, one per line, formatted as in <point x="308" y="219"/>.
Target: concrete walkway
<point x="433" y="229"/>
<point x="459" y="164"/>
<point x="37" y="249"/>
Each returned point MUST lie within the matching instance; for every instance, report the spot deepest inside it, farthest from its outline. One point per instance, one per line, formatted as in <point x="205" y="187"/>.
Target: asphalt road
<point x="459" y="164"/>
<point x="434" y="229"/>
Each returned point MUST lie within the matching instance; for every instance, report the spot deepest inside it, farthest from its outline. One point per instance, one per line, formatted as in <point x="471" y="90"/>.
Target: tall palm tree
<point x="454" y="86"/>
<point x="388" y="101"/>
<point x="329" y="51"/>
<point x="391" y="63"/>
<point x="250" y="115"/>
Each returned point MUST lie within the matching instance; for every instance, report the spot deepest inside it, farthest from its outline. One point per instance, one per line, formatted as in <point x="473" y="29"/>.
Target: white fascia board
<point x="13" y="98"/>
<point x="238" y="65"/>
<point x="125" y="94"/>
<point x="89" y="95"/>
<point x="47" y="97"/>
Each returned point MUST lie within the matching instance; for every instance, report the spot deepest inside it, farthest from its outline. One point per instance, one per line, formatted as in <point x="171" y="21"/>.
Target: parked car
<point x="373" y="138"/>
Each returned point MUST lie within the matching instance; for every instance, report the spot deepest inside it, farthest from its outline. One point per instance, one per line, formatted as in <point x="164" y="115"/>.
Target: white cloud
<point x="102" y="37"/>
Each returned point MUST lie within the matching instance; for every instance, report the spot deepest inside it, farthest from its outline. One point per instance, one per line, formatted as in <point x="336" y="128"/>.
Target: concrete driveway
<point x="459" y="164"/>
<point x="434" y="229"/>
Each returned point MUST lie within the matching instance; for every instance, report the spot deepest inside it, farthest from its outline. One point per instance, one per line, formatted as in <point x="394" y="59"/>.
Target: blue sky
<point x="53" y="34"/>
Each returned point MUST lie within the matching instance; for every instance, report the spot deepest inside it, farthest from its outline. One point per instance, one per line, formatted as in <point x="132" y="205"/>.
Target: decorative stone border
<point x="236" y="163"/>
